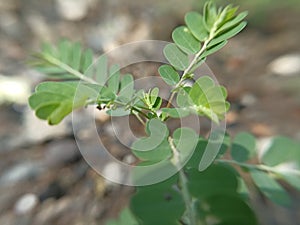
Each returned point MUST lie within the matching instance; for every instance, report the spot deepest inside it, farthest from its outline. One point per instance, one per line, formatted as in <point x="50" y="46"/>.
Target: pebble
<point x="112" y="172"/>
<point x="248" y="100"/>
<point x="61" y="152"/>
<point x="37" y="131"/>
<point x="26" y="204"/>
<point x="286" y="65"/>
<point x="14" y="90"/>
<point x="72" y="9"/>
<point x="20" y="172"/>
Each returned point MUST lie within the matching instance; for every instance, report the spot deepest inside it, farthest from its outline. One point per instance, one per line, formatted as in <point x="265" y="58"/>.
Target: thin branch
<point x="67" y="68"/>
<point x="192" y="214"/>
<point x="190" y="67"/>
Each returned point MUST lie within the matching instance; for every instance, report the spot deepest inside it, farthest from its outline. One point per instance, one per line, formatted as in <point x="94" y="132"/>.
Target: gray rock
<point x="248" y="100"/>
<point x="72" y="9"/>
<point x="26" y="204"/>
<point x="286" y="65"/>
<point x="20" y="172"/>
<point x="14" y="89"/>
<point x="60" y="152"/>
<point x="36" y="130"/>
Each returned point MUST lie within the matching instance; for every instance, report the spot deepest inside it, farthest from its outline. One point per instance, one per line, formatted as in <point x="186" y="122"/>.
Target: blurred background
<point x="43" y="178"/>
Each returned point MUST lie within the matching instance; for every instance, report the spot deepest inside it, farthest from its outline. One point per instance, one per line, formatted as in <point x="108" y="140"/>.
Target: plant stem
<point x="187" y="198"/>
<point x="69" y="69"/>
<point x="188" y="69"/>
<point x="259" y="167"/>
<point x="140" y="119"/>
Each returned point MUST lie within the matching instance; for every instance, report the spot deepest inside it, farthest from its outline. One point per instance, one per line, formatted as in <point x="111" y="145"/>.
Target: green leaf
<point x="76" y="56"/>
<point x="53" y="101"/>
<point x="126" y="88"/>
<point x="156" y="146"/>
<point x="200" y="87"/>
<point x="209" y="99"/>
<point x="232" y="23"/>
<point x="292" y="178"/>
<point x="230" y="210"/>
<point x="64" y="49"/>
<point x="169" y="75"/>
<point x="194" y="22"/>
<point x="101" y="69"/>
<point x="65" y="61"/>
<point x="114" y="77"/>
<point x="185" y="140"/>
<point x="281" y="150"/>
<point x="176" y="57"/>
<point x="157" y="153"/>
<point x="217" y="179"/>
<point x="184" y="39"/>
<point x="118" y="112"/>
<point x="243" y="147"/>
<point x="183" y="98"/>
<point x="226" y="34"/>
<point x="176" y="112"/>
<point x="158" y="204"/>
<point x="213" y="148"/>
<point x="209" y="15"/>
<point x="270" y="188"/>
<point x="87" y="60"/>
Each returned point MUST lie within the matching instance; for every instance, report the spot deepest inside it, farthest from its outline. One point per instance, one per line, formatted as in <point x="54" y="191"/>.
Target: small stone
<point x="286" y="65"/>
<point x="129" y="159"/>
<point x="20" y="172"/>
<point x="72" y="9"/>
<point x="14" y="90"/>
<point x="248" y="100"/>
<point x="112" y="172"/>
<point x="61" y="152"/>
<point x="36" y="130"/>
<point x="26" y="204"/>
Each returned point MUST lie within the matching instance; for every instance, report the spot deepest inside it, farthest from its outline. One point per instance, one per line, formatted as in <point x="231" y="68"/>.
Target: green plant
<point x="206" y="188"/>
